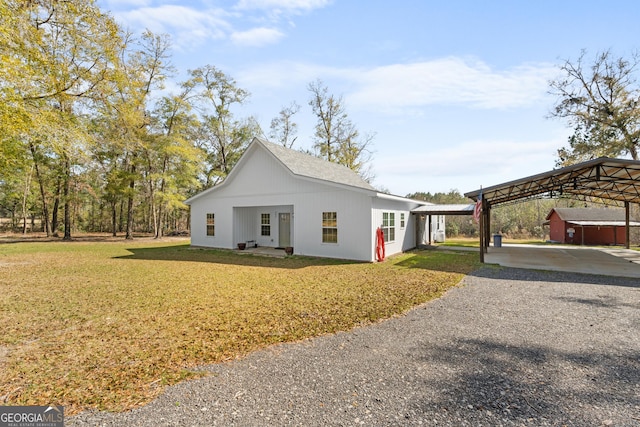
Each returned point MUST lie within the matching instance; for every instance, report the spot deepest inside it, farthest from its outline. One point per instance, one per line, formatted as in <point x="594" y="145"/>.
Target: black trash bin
<point x="497" y="240"/>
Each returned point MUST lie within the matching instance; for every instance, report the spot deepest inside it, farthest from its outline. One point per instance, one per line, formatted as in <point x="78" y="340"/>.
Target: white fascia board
<point x="401" y="199"/>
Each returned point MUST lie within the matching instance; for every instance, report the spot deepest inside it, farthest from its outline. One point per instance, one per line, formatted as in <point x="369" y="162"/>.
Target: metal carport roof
<point x="601" y="178"/>
<point x="606" y="178"/>
<point x="444" y="210"/>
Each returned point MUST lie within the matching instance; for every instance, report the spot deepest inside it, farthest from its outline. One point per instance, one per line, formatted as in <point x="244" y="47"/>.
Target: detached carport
<point x="602" y="178"/>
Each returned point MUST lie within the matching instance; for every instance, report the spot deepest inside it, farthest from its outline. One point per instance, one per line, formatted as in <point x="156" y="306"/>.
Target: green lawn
<point x="474" y="242"/>
<point x="109" y="324"/>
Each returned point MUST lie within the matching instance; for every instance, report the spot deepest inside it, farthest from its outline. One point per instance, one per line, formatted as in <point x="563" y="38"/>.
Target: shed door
<point x="284" y="227"/>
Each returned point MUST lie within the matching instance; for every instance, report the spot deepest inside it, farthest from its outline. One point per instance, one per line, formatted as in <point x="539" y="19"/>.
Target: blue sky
<point x="456" y="92"/>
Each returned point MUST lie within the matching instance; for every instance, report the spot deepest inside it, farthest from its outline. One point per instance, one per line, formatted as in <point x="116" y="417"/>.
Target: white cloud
<point x="191" y="25"/>
<point x="406" y="88"/>
<point x="187" y="26"/>
<point x="466" y="166"/>
<point x="126" y="3"/>
<point x="285" y="74"/>
<point x="257" y="37"/>
<point x="504" y="157"/>
<point x="451" y="81"/>
<point x="289" y="5"/>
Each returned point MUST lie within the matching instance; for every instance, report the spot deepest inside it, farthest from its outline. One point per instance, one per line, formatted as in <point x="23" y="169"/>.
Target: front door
<point x="284" y="227"/>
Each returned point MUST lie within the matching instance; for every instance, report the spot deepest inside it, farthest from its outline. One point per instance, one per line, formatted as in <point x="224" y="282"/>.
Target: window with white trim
<point x="329" y="227"/>
<point x="265" y="224"/>
<point x="211" y="224"/>
<point x="402" y="221"/>
<point x="389" y="226"/>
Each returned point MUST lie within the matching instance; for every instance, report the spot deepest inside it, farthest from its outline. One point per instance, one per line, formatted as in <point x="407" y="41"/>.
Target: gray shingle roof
<point x="306" y="165"/>
<point x="590" y="214"/>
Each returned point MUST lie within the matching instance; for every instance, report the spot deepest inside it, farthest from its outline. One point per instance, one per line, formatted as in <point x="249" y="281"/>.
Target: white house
<point x="279" y="197"/>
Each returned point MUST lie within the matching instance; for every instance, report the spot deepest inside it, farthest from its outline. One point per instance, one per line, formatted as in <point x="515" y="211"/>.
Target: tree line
<point x="521" y="220"/>
<point x="92" y="141"/>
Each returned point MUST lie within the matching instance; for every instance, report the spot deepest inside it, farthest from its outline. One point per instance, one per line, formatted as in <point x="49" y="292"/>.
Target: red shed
<point x="592" y="226"/>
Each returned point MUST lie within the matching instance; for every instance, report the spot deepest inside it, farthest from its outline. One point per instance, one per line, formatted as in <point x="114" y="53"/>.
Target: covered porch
<point x="264" y="226"/>
<point x="429" y="230"/>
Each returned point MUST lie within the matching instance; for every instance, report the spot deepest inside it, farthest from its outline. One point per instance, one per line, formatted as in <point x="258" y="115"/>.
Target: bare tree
<point x="283" y="128"/>
<point x="602" y="103"/>
<point x="336" y="138"/>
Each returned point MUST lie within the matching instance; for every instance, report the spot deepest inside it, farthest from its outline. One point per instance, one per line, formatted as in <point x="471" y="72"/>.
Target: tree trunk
<point x="92" y="216"/>
<point x="152" y="206"/>
<point x="14" y="218"/>
<point x="67" y="203"/>
<point x="159" y="223"/>
<point x="121" y="219"/>
<point x="27" y="186"/>
<point x="56" y="208"/>
<point x="114" y="217"/>
<point x="43" y="195"/>
<point x="129" y="232"/>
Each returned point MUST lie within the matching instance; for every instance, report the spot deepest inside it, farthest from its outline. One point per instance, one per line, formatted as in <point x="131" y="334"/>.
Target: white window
<point x="211" y="224"/>
<point x="329" y="227"/>
<point x="389" y="226"/>
<point x="265" y="224"/>
<point x="402" y="221"/>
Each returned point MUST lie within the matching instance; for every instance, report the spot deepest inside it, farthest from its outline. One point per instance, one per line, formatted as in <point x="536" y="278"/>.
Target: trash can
<point x="497" y="240"/>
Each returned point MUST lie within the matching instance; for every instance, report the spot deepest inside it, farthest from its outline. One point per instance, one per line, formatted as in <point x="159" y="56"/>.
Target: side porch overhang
<point x="423" y="215"/>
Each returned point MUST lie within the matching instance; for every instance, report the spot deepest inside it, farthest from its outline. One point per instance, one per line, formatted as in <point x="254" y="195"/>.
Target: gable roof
<point x="299" y="164"/>
<point x="589" y="214"/>
<point x="305" y="165"/>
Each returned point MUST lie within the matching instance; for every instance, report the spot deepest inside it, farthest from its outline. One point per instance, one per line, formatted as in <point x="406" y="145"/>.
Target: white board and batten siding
<point x="404" y="222"/>
<point x="264" y="182"/>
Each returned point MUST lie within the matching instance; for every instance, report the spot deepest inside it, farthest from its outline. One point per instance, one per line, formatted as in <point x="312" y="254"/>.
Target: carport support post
<point x="487" y="208"/>
<point x="626" y="225"/>
<point x="484" y="229"/>
<point x="481" y="236"/>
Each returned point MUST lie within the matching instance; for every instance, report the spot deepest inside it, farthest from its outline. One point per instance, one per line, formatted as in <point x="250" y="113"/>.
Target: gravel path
<point x="507" y="347"/>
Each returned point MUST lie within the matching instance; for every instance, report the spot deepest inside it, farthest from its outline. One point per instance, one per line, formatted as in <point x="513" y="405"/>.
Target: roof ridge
<point x="306" y="165"/>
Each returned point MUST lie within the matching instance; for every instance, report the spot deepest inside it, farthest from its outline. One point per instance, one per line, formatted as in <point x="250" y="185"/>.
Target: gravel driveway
<point x="507" y="347"/>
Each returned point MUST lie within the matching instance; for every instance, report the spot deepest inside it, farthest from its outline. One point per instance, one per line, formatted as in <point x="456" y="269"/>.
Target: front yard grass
<point x="108" y="325"/>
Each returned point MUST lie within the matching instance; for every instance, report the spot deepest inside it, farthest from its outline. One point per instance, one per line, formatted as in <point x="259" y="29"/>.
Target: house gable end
<point x="260" y="173"/>
<point x="275" y="160"/>
<point x="309" y="167"/>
